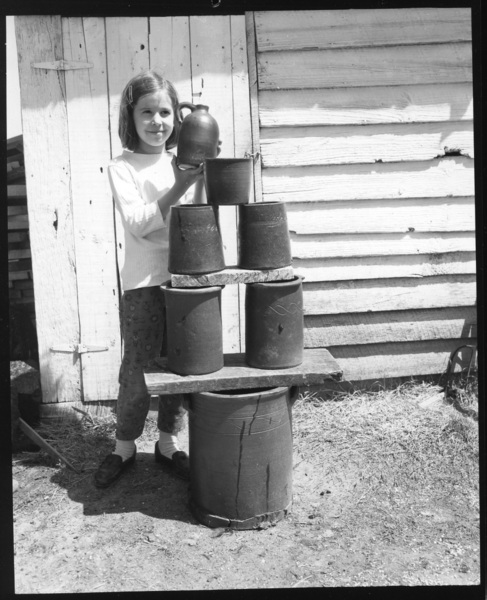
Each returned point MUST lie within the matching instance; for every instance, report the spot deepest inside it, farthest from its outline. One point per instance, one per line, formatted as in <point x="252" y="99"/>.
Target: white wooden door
<point x="72" y="72"/>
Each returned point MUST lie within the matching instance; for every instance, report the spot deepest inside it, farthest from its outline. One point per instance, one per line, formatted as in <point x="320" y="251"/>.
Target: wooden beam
<point x="41" y="442"/>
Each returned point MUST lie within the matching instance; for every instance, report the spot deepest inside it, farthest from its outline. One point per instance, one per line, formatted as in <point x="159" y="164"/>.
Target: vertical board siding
<point x="127" y="42"/>
<point x="47" y="169"/>
<point x="212" y="72"/>
<point x="70" y="119"/>
<point x="366" y="133"/>
<point x="94" y="236"/>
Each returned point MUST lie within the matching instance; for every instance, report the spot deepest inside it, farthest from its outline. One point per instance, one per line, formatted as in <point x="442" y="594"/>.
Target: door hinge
<point x="79" y="348"/>
<point x="62" y="65"/>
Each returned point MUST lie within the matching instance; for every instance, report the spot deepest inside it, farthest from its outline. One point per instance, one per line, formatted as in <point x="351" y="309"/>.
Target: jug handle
<point x="182" y="105"/>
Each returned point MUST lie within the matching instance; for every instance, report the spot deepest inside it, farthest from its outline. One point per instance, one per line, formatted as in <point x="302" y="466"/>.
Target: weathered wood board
<point x="283" y="30"/>
<point x="367" y="105"/>
<point x="232" y="276"/>
<point x="219" y="80"/>
<point x="388" y="327"/>
<point x="383" y="361"/>
<point x="385" y="266"/>
<point x="375" y="216"/>
<point x="376" y="244"/>
<point x="318" y="366"/>
<point x="357" y="67"/>
<point x="47" y="167"/>
<point x="93" y="211"/>
<point x="388" y="294"/>
<point x="347" y="144"/>
<point x="437" y="178"/>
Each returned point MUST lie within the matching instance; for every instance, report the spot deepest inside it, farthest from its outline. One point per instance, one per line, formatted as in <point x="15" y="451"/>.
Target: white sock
<point x="168" y="443"/>
<point x="124" y="448"/>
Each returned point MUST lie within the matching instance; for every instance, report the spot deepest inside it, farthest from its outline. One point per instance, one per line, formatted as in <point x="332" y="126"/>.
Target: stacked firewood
<point x="20" y="281"/>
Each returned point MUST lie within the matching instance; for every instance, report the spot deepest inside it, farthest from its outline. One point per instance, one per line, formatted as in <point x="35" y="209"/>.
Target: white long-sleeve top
<point x="137" y="181"/>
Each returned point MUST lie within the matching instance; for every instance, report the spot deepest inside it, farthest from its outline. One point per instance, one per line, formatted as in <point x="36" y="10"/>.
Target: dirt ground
<point x="385" y="493"/>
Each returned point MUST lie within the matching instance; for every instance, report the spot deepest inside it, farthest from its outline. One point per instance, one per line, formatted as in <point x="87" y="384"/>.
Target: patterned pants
<point x="143" y="316"/>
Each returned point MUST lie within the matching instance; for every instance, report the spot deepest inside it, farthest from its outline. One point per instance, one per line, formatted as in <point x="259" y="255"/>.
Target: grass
<point x="385" y="487"/>
<point x="393" y="450"/>
<point x="406" y="438"/>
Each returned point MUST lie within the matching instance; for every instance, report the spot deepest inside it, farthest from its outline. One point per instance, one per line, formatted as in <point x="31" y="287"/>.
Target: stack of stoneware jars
<point x="273" y="310"/>
<point x="240" y="440"/>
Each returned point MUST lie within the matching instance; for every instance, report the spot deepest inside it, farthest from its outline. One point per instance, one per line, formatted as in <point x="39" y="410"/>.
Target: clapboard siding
<point x="367" y="105"/>
<point x="392" y="266"/>
<point x="374" y="216"/>
<point x="388" y="294"/>
<point x="391" y="65"/>
<point x="398" y="359"/>
<point x="389" y="327"/>
<point x="334" y="29"/>
<point x="366" y="133"/>
<point x="334" y="246"/>
<point x="303" y="146"/>
<point x="438" y="178"/>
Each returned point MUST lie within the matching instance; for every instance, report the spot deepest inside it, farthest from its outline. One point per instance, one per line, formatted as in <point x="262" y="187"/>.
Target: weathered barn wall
<point x="365" y="119"/>
<point x="72" y="72"/>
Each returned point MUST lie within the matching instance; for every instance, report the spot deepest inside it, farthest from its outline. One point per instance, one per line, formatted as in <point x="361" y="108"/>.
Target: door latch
<point x="78" y="348"/>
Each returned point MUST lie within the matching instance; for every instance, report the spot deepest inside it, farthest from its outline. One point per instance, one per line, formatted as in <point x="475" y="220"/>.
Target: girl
<point x="145" y="183"/>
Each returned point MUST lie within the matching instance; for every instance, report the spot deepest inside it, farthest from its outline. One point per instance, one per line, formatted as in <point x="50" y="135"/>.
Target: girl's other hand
<point x="187" y="177"/>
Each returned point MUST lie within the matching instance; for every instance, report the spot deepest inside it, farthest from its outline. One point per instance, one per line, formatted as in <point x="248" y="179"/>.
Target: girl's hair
<point x="142" y="84"/>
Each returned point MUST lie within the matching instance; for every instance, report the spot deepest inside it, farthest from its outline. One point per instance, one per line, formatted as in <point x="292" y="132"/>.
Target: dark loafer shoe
<point x="111" y="469"/>
<point x="178" y="463"/>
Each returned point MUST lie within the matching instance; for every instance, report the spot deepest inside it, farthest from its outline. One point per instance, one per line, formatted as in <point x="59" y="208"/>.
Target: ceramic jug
<point x="198" y="136"/>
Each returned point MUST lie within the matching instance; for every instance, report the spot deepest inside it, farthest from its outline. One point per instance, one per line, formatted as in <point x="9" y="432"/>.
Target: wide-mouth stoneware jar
<point x="195" y="242"/>
<point x="263" y="236"/>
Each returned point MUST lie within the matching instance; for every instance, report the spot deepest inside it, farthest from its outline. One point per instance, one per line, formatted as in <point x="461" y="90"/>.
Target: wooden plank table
<point x="317" y="367"/>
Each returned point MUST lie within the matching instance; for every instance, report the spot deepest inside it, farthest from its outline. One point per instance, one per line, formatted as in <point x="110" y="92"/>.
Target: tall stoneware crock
<point x="263" y="236"/>
<point x="194" y="330"/>
<point x="228" y="180"/>
<point x="198" y="136"/>
<point x="241" y="449"/>
<point x="195" y="243"/>
<point x="274" y="324"/>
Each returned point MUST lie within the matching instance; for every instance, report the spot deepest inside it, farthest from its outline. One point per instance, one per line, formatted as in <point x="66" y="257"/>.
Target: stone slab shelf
<point x="318" y="366"/>
<point x="232" y="275"/>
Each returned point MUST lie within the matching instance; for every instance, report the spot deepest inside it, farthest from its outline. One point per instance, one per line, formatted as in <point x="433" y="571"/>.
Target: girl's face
<point x="154" y="122"/>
